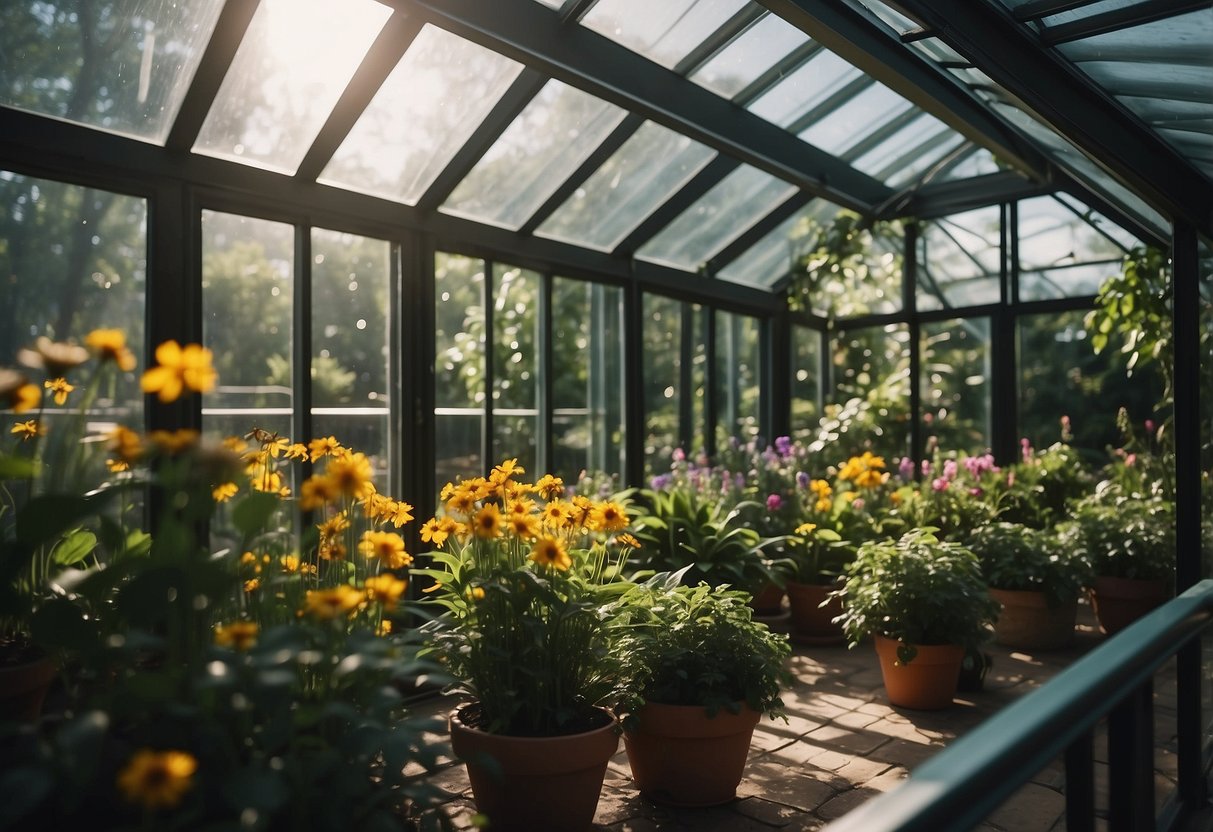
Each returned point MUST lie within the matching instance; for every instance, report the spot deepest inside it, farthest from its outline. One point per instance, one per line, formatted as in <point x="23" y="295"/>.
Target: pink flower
<point x="940" y="484"/>
<point x="1130" y="459"/>
<point x="774" y="501"/>
<point x="950" y="468"/>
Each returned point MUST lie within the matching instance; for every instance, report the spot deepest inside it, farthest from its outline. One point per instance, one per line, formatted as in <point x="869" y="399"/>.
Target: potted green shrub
<point x="1035" y="581"/>
<point x="698" y="674"/>
<point x="819" y="557"/>
<point x="924" y="602"/>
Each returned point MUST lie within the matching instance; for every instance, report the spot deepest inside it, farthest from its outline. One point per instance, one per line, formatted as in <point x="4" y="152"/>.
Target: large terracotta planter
<point x="1029" y="622"/>
<point x="682" y="757"/>
<point x="23" y="688"/>
<point x="768" y="601"/>
<point x="530" y="783"/>
<point x="928" y="682"/>
<point x="811" y="622"/>
<point x="1118" y="602"/>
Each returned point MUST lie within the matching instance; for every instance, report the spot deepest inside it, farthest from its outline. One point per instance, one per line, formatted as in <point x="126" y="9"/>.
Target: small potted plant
<point x="924" y="602"/>
<point x="1035" y="581"/>
<point x="820" y="556"/>
<point x="699" y="673"/>
<point x="526" y="589"/>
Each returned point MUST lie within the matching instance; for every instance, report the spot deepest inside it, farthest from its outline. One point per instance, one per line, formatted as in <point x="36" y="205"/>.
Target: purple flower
<point x="783" y="444"/>
<point x="739" y="479"/>
<point x="905" y="468"/>
<point x="802" y="479"/>
<point x="660" y="482"/>
<point x="926" y="467"/>
<point x="950" y="469"/>
<point x="774" y="501"/>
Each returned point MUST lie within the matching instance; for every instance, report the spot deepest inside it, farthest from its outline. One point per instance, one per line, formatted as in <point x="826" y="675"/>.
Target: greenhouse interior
<point x="451" y="414"/>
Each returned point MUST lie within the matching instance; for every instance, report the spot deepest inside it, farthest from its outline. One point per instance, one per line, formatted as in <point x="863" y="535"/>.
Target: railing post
<point x="1131" y="762"/>
<point x="1080" y="784"/>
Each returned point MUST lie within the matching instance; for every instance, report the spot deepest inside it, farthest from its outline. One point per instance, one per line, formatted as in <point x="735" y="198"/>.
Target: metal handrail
<point x="965" y="783"/>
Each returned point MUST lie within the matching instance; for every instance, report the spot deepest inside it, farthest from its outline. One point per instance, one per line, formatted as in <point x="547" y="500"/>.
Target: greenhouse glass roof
<point x="688" y="136"/>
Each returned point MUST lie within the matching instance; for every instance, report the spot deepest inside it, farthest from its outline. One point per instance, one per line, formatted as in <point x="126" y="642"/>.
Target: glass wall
<point x="871" y="368"/>
<point x="954" y="382"/>
<point x="806" y="381"/>
<point x="516" y="371"/>
<point x="459" y="358"/>
<point x="960" y="260"/>
<point x="738" y="377"/>
<point x="663" y="388"/>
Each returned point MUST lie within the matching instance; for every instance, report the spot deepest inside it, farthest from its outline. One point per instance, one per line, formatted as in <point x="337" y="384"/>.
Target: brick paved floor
<point x="843" y="743"/>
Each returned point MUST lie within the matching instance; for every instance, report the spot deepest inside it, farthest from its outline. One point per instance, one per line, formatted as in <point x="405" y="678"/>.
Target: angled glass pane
<point x="515" y="394"/>
<point x="426" y="109"/>
<point x="802" y="90"/>
<point x="959" y="260"/>
<point x="735" y="203"/>
<point x="977" y="163"/>
<point x="650" y="166"/>
<point x="954" y="383"/>
<point x="663" y="32"/>
<point x="921" y="161"/>
<point x="896" y="20"/>
<point x="459" y="365"/>
<point x="770" y="259"/>
<point x="119" y="65"/>
<point x="1053" y="234"/>
<point x="859" y="116"/>
<point x="544" y="144"/>
<point x="738" y="377"/>
<point x="767" y="41"/>
<point x="1064" y="281"/>
<point x="292" y="66"/>
<point x="909" y="151"/>
<point x="1089" y="10"/>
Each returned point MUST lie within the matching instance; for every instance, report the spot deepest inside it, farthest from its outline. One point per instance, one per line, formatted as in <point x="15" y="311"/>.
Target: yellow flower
<point x="16" y="392"/>
<point x="325" y="446"/>
<point x="224" y="491"/>
<point x="629" y="541"/>
<point x="240" y="635"/>
<point x="125" y="444"/>
<point x="579" y="514"/>
<point x="173" y="442"/>
<point x="462" y="500"/>
<point x="384" y="628"/>
<point x="505" y="472"/>
<point x="178" y="369"/>
<point x="110" y="345"/>
<point x="157" y="779"/>
<point x="523" y="526"/>
<point x="549" y="487"/>
<point x="327" y="604"/>
<point x="806" y="528"/>
<point x="387" y="547"/>
<point x="252" y="584"/>
<point x="350" y="474"/>
<point x="55" y="357"/>
<point x="474" y="593"/>
<point x="315" y="492"/>
<point x="331" y="550"/>
<point x="289" y="563"/>
<point x="235" y="444"/>
<point x="386" y="589"/>
<point x="608" y="517"/>
<point x="29" y="429"/>
<point x="487" y="523"/>
<point x="117" y="466"/>
<point x="549" y="551"/>
<point x="296" y="450"/>
<point x="335" y="525"/>
<point x="520" y="505"/>
<point x="557" y="514"/>
<point x="434" y="531"/>
<point x="60" y="388"/>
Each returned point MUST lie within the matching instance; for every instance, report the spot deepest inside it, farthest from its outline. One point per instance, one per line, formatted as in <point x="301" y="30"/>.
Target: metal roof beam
<point x="1036" y="9"/>
<point x="939" y="199"/>
<point x="529" y="32"/>
<point x="1069" y="103"/>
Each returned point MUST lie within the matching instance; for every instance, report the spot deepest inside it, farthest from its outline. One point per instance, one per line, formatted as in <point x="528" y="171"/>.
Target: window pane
<point x="738" y="377"/>
<point x="959" y="261"/>
<point x="426" y="109"/>
<point x="459" y="395"/>
<point x="858" y="117"/>
<point x="978" y="163"/>
<point x="120" y="65"/>
<point x="663" y="32"/>
<point x="248" y="277"/>
<point x="587" y="379"/>
<point x="74" y="259"/>
<point x="1052" y="234"/>
<point x="515" y="365"/>
<point x="1065" y="282"/>
<point x="955" y="383"/>
<point x="292" y="66"/>
<point x="806" y="381"/>
<point x="351" y="278"/>
<point x="1060" y="375"/>
<point x="738" y="201"/>
<point x="751" y="53"/>
<point x="662" y="370"/>
<point x="650" y="166"/>
<point x="805" y="88"/>
<point x="545" y="143"/>
<point x="863" y="278"/>
<point x="871" y="391"/>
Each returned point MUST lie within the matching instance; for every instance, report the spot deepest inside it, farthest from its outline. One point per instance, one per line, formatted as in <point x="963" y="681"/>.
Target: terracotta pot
<point x="1027" y="620"/>
<point x="811" y="622"/>
<point x="23" y="689"/>
<point x="928" y="682"/>
<point x="529" y="783"/>
<point x="682" y="757"/>
<point x="768" y="600"/>
<point x="1118" y="602"/>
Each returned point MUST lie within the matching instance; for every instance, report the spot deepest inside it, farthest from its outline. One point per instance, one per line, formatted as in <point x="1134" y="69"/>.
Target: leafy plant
<point x="696" y="645"/>
<point x="1017" y="557"/>
<point x="1123" y="536"/>
<point x="919" y="590"/>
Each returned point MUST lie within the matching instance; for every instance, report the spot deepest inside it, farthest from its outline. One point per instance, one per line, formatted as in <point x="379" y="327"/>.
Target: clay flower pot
<point x="1027" y="620"/>
<point x="768" y="601"/>
<point x="1118" y="602"/>
<point x="682" y="757"/>
<point x="529" y="783"/>
<point x="928" y="682"/>
<point x="811" y="622"/>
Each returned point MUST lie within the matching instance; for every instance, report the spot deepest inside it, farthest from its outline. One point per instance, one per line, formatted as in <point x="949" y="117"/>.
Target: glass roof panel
<point x="736" y="202"/>
<point x="1053" y="234"/>
<point x="555" y="4"/>
<point x="663" y="32"/>
<point x="650" y="165"/>
<point x="1098" y="7"/>
<point x="544" y="144"/>
<point x="750" y="54"/>
<point x="977" y="163"/>
<point x="896" y="20"/>
<point x="802" y="90"/>
<point x="768" y="260"/>
<point x="426" y="109"/>
<point x="292" y="66"/>
<point x="960" y="260"/>
<point x="896" y="145"/>
<point x="120" y="65"/>
<point x="920" y="161"/>
<point x="857" y="118"/>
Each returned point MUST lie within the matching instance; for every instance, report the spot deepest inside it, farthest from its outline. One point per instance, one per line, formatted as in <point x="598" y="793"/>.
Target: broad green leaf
<point x="16" y="468"/>
<point x="74" y="547"/>
<point x="252" y="513"/>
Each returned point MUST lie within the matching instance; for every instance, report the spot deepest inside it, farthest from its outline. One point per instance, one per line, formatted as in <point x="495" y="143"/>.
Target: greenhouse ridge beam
<point x="1076" y="108"/>
<point x="527" y="31"/>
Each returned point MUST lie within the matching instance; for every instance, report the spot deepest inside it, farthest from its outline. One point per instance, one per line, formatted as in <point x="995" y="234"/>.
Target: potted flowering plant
<point x="924" y="601"/>
<point x="699" y="673"/>
<point x="525" y="583"/>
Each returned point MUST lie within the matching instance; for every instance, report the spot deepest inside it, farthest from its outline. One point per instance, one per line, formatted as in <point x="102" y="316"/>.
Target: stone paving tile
<point x="1031" y="809"/>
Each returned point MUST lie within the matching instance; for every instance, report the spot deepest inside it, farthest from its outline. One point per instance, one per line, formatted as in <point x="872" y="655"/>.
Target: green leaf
<point x="252" y="513"/>
<point x="47" y="516"/>
<point x="16" y="468"/>
<point x="74" y="548"/>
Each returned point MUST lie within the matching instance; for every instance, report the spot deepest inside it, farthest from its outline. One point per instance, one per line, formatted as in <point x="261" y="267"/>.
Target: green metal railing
<point x="966" y="782"/>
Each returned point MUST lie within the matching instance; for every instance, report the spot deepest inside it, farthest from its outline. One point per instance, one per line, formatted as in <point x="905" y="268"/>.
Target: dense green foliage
<point x="1021" y="558"/>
